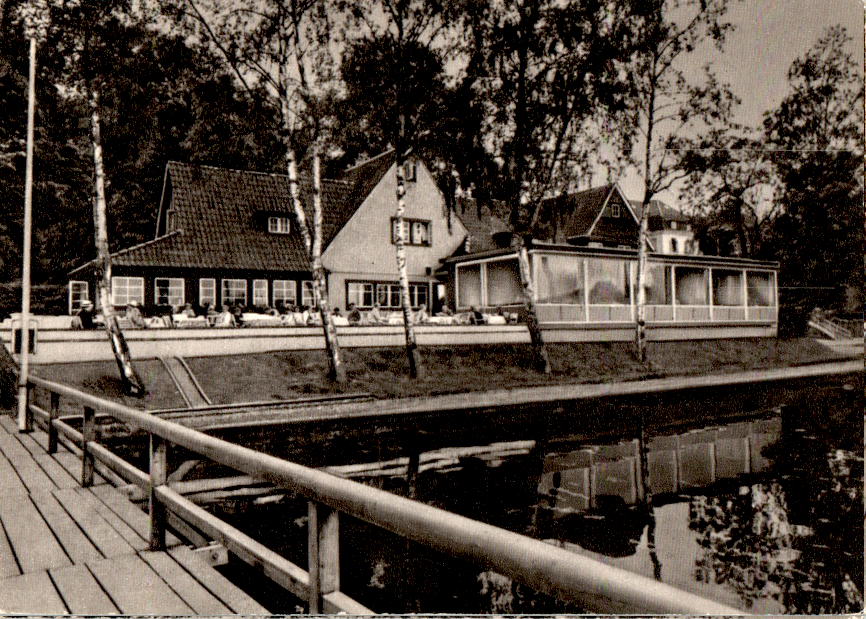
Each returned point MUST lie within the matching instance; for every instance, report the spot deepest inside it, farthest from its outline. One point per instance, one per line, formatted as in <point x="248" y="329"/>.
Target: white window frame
<point x="207" y="297"/>
<point x="279" y="225"/>
<point x="615" y="210"/>
<point x="223" y="289"/>
<point x="172" y="283"/>
<point x="307" y="293"/>
<point x="288" y="292"/>
<point x="127" y="283"/>
<point x="75" y="296"/>
<point x="260" y="293"/>
<point x="355" y="292"/>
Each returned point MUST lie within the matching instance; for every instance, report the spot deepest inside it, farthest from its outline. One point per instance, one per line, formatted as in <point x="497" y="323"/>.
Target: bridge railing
<point x="555" y="571"/>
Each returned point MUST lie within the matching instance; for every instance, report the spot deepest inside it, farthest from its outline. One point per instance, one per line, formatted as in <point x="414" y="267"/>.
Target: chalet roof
<point x="216" y="217"/>
<point x="657" y="208"/>
<point x="578" y="211"/>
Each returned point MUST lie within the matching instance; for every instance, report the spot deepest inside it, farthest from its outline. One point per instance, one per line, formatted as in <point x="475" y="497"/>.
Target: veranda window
<point x="607" y="281"/>
<point x="234" y="291"/>
<point x="760" y="289"/>
<point x="78" y="293"/>
<point x="124" y="290"/>
<point x="168" y="291"/>
<point x="284" y="292"/>
<point x="469" y="285"/>
<point x="727" y="288"/>
<point x="503" y="283"/>
<point x="691" y="284"/>
<point x="560" y="280"/>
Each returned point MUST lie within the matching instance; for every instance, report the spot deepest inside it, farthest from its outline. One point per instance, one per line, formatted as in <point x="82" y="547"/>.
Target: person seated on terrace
<point x="133" y="314"/>
<point x="421" y="315"/>
<point x="446" y="311"/>
<point x="306" y="315"/>
<point x="238" y="313"/>
<point x="210" y="310"/>
<point x="336" y="312"/>
<point x="354" y="314"/>
<point x="225" y="318"/>
<point x="475" y="317"/>
<point x="376" y="315"/>
<point x="85" y="315"/>
<point x="188" y="312"/>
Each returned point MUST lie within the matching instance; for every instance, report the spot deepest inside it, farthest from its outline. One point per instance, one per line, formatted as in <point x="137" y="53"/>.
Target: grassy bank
<point x="381" y="371"/>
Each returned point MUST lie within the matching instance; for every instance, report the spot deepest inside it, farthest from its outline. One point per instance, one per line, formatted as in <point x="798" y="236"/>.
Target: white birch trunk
<point x="530" y="302"/>
<point x="132" y="382"/>
<point x="413" y="357"/>
<point x="313" y="244"/>
<point x="640" y="293"/>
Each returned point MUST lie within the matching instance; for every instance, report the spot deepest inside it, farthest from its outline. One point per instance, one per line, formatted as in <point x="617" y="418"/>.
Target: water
<point x="764" y="513"/>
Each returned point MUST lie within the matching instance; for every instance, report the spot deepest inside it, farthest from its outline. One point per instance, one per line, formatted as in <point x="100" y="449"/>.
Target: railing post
<point x="323" y="545"/>
<point x="88" y="434"/>
<point x="28" y="412"/>
<point x="158" y="476"/>
<point x="53" y="414"/>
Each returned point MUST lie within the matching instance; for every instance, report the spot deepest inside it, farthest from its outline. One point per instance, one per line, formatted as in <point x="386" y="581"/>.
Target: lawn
<point x="381" y="371"/>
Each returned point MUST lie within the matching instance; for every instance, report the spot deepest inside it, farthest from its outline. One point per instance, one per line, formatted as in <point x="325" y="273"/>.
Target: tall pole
<point x="24" y="360"/>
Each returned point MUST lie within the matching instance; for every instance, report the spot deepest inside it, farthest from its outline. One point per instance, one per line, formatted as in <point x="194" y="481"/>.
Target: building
<point x="670" y="230"/>
<point x="584" y="266"/>
<point x="229" y="236"/>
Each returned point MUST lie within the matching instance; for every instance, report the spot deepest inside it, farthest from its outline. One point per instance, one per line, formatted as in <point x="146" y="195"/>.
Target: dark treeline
<point x="517" y="100"/>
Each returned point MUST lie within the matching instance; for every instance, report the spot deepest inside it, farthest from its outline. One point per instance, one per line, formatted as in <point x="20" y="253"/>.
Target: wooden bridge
<point x="85" y="549"/>
<point x="70" y="549"/>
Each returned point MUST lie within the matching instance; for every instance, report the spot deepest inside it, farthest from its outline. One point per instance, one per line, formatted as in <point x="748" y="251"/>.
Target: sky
<point x="769" y="35"/>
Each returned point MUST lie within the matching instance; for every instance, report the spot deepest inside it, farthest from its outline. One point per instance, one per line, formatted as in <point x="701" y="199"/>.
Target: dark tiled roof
<point x="216" y="218"/>
<point x="576" y="212"/>
<point x="480" y="223"/>
<point x="657" y="208"/>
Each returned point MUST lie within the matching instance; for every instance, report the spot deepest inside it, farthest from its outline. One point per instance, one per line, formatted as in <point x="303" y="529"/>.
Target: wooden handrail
<point x="546" y="568"/>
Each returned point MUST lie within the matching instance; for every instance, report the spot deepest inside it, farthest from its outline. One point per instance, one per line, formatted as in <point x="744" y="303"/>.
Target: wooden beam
<point x="88" y="435"/>
<point x="158" y="475"/>
<point x="323" y="549"/>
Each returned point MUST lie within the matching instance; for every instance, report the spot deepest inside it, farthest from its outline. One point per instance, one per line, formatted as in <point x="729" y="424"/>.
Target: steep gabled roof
<point x="216" y="217"/>
<point x="579" y="211"/>
<point x="657" y="208"/>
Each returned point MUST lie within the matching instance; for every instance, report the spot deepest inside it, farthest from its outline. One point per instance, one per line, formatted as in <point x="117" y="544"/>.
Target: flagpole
<point x="24" y="419"/>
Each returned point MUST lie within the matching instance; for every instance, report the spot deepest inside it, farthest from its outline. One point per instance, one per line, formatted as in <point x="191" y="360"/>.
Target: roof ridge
<point x="237" y="171"/>
<point x="387" y="151"/>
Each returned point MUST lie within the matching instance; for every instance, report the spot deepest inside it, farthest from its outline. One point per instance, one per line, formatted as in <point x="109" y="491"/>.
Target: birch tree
<point x="404" y="25"/>
<point x="547" y="74"/>
<point x="84" y="34"/>
<point x="666" y="111"/>
<point x="283" y="48"/>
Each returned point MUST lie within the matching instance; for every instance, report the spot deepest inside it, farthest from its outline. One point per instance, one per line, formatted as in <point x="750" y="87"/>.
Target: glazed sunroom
<point x="589" y="286"/>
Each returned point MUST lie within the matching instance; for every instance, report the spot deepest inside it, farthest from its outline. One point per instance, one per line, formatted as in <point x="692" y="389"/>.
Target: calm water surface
<point x="764" y="513"/>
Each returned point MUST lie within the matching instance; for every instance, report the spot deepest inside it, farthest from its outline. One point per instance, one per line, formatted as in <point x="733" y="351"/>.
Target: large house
<point x="230" y="237"/>
<point x="227" y="236"/>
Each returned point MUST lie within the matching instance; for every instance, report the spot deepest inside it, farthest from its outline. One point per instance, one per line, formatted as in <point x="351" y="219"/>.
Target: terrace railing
<point x="555" y="571"/>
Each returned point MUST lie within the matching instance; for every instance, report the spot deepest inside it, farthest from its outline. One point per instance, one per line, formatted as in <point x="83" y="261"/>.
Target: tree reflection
<point x="797" y="540"/>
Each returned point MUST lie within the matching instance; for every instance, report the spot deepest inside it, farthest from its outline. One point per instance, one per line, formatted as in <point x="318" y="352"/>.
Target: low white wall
<point x="66" y="346"/>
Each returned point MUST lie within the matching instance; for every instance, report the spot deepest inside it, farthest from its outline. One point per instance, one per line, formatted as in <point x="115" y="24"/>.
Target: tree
<point x="406" y="29"/>
<point x="545" y="73"/>
<point x="282" y="49"/>
<point x="730" y="180"/>
<point x="666" y="111"/>
<point x="816" y="135"/>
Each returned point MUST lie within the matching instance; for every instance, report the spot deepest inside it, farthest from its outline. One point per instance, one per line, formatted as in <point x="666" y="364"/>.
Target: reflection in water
<point x="765" y="515"/>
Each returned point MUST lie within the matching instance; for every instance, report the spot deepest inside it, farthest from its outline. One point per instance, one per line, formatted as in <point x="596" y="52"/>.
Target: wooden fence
<point x="546" y="568"/>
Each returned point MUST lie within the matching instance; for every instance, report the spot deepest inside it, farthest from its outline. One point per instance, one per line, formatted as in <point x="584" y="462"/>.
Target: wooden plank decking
<point x="68" y="549"/>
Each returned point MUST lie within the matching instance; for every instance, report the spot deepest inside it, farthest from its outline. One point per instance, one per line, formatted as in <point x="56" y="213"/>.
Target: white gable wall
<point x="363" y="251"/>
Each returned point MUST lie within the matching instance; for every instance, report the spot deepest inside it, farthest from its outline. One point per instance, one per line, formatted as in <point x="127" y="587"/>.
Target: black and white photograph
<point x="432" y="307"/>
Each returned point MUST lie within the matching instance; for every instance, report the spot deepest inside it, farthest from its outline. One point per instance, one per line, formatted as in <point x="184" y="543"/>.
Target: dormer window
<point x="279" y="225"/>
<point x="410" y="172"/>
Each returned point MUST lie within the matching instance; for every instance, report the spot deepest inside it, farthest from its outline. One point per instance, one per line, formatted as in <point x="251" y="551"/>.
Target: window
<point x="673" y="225"/>
<point x="279" y="225"/>
<point x="415" y="232"/>
<point x="615" y="210"/>
<point x="691" y="286"/>
<point x="260" y="293"/>
<point x="168" y="291"/>
<point x="468" y="285"/>
<point x="388" y="295"/>
<point x="673" y="246"/>
<point x="759" y="286"/>
<point x="727" y="288"/>
<point x="608" y="281"/>
<point x="127" y="289"/>
<point x="78" y="292"/>
<point x="560" y="280"/>
<point x="284" y="292"/>
<point x="234" y="291"/>
<point x="307" y="293"/>
<point x="361" y="294"/>
<point x="206" y="291"/>
<point x="410" y="172"/>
